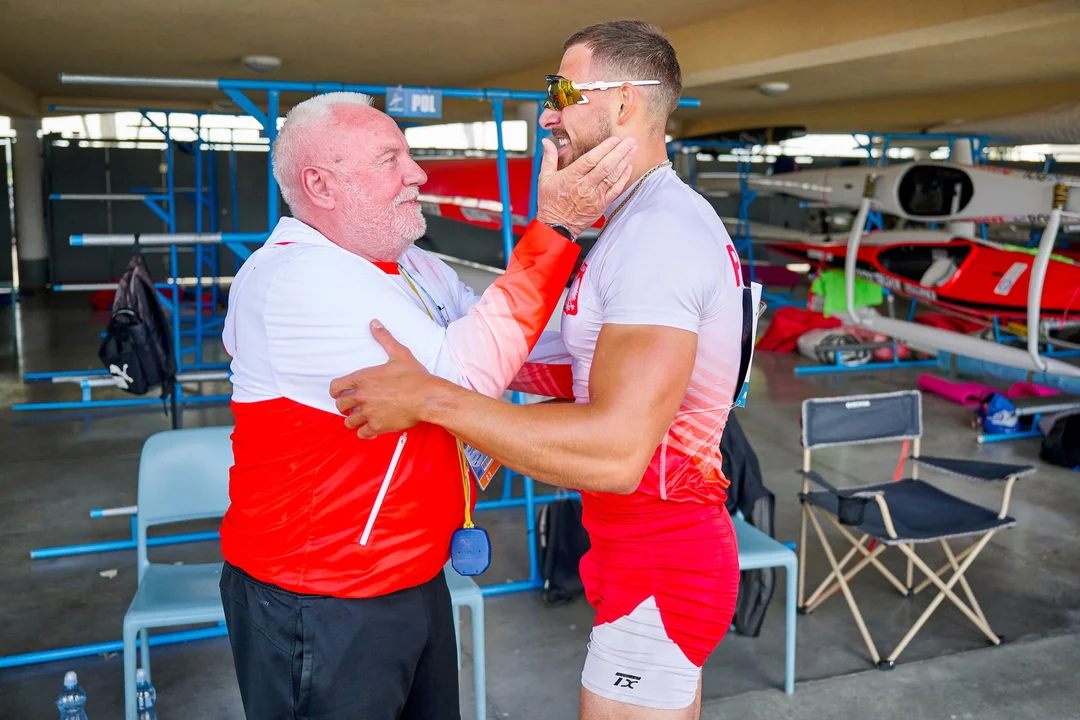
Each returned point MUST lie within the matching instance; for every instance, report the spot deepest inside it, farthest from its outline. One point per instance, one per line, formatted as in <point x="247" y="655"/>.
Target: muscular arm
<point x="638" y="380"/>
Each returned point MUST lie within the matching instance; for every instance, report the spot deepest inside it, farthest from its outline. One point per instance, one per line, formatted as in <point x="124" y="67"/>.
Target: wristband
<point x="562" y="230"/>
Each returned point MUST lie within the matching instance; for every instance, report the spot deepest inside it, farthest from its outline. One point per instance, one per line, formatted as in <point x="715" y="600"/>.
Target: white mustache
<point x="411" y="193"/>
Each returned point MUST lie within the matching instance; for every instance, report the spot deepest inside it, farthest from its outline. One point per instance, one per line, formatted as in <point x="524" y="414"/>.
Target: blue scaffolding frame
<point x="190" y="319"/>
<point x="236" y="89"/>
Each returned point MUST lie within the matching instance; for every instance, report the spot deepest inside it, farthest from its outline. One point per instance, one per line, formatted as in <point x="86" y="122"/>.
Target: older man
<point x="654" y="332"/>
<point x="333" y="587"/>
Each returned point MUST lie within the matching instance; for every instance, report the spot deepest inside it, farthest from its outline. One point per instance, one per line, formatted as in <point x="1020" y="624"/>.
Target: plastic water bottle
<point x="145" y="696"/>
<point x="72" y="699"/>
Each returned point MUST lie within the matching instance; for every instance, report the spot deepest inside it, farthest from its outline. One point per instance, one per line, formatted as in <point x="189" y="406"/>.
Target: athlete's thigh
<point x="633" y="661"/>
<point x="595" y="707"/>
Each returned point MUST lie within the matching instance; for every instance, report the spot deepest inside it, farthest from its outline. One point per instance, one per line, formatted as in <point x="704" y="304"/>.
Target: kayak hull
<point x="959" y="274"/>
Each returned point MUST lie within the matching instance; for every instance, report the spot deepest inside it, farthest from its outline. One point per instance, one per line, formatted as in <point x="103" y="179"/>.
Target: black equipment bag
<point x="1061" y="446"/>
<point x="747" y="493"/>
<point x="137" y="347"/>
<point x="562" y="541"/>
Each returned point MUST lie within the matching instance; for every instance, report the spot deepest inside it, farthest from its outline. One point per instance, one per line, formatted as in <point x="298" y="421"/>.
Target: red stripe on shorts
<point x="684" y="554"/>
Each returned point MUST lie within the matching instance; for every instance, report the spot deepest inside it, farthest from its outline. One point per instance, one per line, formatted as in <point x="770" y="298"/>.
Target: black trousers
<point x="306" y="657"/>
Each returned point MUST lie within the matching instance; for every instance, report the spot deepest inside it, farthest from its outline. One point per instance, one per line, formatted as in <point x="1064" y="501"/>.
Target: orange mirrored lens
<point x="561" y="93"/>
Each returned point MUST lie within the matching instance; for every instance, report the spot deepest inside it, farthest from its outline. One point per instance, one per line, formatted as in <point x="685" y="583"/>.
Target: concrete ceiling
<point x="455" y="43"/>
<point x="1028" y="57"/>
<point x="874" y="65"/>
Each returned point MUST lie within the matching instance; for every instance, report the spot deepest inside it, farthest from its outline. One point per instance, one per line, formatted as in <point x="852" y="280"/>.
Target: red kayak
<point x="961" y="274"/>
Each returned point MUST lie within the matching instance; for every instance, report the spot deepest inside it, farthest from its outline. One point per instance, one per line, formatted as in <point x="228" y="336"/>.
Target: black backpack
<point x="562" y="541"/>
<point x="1061" y="446"/>
<point x="138" y="347"/>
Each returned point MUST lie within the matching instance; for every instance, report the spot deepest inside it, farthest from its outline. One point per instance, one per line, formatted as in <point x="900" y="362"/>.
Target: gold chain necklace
<point x="637" y="186"/>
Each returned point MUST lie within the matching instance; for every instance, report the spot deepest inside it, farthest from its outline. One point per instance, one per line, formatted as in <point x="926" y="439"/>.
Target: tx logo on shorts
<point x="626" y="681"/>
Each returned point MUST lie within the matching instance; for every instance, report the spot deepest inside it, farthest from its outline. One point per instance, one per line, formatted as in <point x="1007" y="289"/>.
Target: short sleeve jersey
<point x="665" y="258"/>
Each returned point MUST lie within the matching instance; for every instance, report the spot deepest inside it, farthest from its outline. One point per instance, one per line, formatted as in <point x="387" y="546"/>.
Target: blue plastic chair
<point x="183" y="475"/>
<point x="465" y="592"/>
<point x="756" y="551"/>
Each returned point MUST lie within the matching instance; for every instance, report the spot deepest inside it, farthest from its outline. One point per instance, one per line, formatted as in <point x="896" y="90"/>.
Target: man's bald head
<point x="343" y="167"/>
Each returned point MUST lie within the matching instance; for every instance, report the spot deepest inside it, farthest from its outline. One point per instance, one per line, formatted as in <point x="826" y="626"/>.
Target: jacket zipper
<point x="382" y="490"/>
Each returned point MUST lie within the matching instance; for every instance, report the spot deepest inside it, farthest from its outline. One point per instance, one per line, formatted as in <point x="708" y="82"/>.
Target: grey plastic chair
<point x="756" y="551"/>
<point x="465" y="592"/>
<point x="183" y="475"/>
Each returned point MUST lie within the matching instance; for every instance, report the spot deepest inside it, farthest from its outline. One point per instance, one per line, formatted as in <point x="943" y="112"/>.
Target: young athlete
<point x="652" y="329"/>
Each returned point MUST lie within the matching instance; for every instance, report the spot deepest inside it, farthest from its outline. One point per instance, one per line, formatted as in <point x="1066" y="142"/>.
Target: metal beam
<point x="137" y="81"/>
<point x="227" y="84"/>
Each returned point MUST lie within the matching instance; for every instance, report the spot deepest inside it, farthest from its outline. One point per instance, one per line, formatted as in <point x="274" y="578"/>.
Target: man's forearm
<point x="569" y="445"/>
<point x="488" y="346"/>
<point x="638" y="381"/>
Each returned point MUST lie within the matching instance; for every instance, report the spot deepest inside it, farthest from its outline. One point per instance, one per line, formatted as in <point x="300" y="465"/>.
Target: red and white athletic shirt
<point x="665" y="259"/>
<point x="303" y="486"/>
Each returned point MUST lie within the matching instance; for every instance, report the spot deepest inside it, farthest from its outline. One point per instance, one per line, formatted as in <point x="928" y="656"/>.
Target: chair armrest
<point x="820" y="481"/>
<point x="979" y="470"/>
<point x="854" y="493"/>
<point x="850" y="504"/>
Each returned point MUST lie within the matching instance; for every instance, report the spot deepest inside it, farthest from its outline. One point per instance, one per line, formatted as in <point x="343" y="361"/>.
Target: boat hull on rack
<point x="960" y="274"/>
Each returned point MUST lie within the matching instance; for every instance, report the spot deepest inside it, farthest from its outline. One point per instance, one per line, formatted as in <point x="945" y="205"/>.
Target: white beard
<point x="381" y="233"/>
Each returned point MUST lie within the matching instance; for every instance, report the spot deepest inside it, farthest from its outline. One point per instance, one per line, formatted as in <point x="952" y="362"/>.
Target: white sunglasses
<point x="563" y="92"/>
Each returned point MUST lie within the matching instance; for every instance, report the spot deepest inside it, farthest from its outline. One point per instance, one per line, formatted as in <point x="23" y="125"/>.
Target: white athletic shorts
<point x="632" y="660"/>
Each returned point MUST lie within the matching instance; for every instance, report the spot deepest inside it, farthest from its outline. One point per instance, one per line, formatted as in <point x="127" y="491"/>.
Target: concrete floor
<point x="56" y="466"/>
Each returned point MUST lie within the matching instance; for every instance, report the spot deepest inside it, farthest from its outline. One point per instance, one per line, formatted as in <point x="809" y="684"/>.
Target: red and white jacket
<point x="303" y="486"/>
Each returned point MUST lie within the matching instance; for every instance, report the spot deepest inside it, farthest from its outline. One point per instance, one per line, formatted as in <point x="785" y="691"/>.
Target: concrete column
<point x="108" y="126"/>
<point x="31" y="243"/>
<point x="961" y="152"/>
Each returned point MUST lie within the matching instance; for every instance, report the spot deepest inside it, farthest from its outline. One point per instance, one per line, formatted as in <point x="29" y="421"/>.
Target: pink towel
<point x="1026" y="389"/>
<point x="969" y="394"/>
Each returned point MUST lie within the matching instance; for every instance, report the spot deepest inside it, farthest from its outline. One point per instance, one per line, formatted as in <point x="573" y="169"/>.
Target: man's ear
<point x="628" y="101"/>
<point x="314" y="184"/>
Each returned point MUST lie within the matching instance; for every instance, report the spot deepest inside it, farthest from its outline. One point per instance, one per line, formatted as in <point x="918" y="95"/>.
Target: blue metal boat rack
<point x="190" y="319"/>
<point x="978" y="144"/>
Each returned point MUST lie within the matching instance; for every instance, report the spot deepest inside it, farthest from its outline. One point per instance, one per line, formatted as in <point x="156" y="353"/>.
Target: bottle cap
<point x="70" y="679"/>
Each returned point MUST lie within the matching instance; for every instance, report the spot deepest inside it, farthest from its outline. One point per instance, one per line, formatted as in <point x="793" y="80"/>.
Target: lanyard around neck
<point x="414" y="284"/>
<point x="464" y="465"/>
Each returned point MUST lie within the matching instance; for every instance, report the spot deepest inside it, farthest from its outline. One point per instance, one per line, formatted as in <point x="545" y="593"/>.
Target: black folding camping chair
<point x="899" y="514"/>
